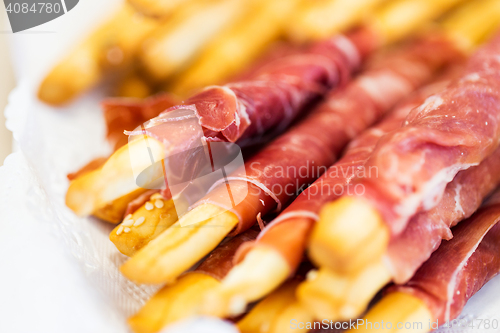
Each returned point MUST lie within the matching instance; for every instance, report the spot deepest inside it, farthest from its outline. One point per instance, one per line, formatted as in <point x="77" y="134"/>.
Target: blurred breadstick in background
<point x="236" y="47"/>
<point x="134" y="85"/>
<point x="314" y="20"/>
<point x="179" y="40"/>
<point x="109" y="48"/>
<point x="467" y="32"/>
<point x="158" y="8"/>
<point x="398" y="18"/>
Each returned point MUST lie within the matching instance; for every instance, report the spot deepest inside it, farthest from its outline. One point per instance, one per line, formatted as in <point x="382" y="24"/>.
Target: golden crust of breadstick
<point x="338" y="297"/>
<point x="172" y="303"/>
<point x="396" y="308"/>
<point x="180" y="39"/>
<point x="111" y="47"/>
<point x="261" y="317"/>
<point x="262" y="270"/>
<point x="317" y="20"/>
<point x="158" y="8"/>
<point x="144" y="225"/>
<point x="349" y="235"/>
<point x="236" y="47"/>
<point x="182" y="245"/>
<point x="98" y="189"/>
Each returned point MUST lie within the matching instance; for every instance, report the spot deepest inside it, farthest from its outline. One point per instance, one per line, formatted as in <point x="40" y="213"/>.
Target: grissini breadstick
<point x="274" y="312"/>
<point x="315" y="20"/>
<point x="183" y="298"/>
<point x="119" y="113"/>
<point x="134" y="85"/>
<point x="144" y="224"/>
<point x="456" y="142"/>
<point x="110" y="48"/>
<point x="235" y="48"/>
<point x="441" y="287"/>
<point x="159" y="8"/>
<point x="178" y="41"/>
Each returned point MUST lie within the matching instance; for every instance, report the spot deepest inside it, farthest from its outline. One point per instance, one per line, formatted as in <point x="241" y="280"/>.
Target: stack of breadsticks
<point x="364" y="147"/>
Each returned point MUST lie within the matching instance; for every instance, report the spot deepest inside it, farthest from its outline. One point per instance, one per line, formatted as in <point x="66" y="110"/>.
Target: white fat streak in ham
<point x="430" y="194"/>
<point x="260" y="221"/>
<point x="349" y="49"/>
<point x="430" y="104"/>
<point x="452" y="285"/>
<point x="288" y="216"/>
<point x="473" y="77"/>
<point x="375" y="86"/>
<point x="306" y="59"/>
<point x="458" y="205"/>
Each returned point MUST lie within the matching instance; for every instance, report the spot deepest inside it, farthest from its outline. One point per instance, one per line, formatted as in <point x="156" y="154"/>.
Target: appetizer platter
<point x="275" y="166"/>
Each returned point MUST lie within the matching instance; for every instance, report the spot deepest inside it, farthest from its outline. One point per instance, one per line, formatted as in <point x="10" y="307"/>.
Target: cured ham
<point x="121" y="113"/>
<point x="461" y="266"/>
<point x="278" y="92"/>
<point x="426" y="230"/>
<point x="451" y="131"/>
<point x="268" y="184"/>
<point x="220" y="261"/>
<point x="368" y="97"/>
<point x="299" y="156"/>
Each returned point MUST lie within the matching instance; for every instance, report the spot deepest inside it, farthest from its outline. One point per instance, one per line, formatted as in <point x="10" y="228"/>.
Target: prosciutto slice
<point x="298" y="157"/>
<point x="122" y="113"/>
<point x="220" y="261"/>
<point x="274" y="96"/>
<point x="461" y="266"/>
<point x="425" y="231"/>
<point x="295" y="223"/>
<point x="451" y="131"/>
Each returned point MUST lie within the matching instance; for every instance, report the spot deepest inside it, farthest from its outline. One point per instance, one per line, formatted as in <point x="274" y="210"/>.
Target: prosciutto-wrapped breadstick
<point x="183" y="299"/>
<point x="285" y="238"/>
<point x="119" y="113"/>
<point x="451" y="131"/>
<point x="111" y="47"/>
<point x="313" y="143"/>
<point x="440" y="288"/>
